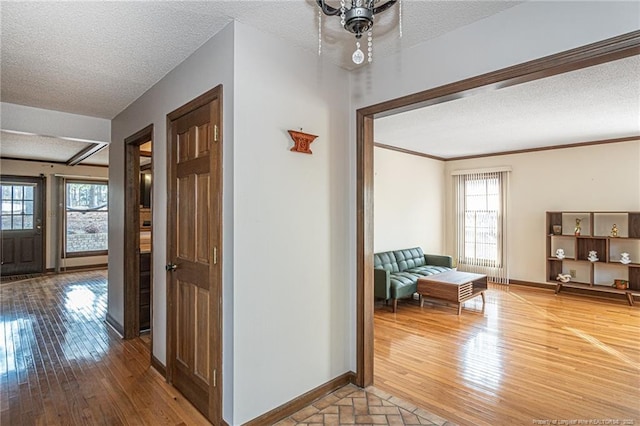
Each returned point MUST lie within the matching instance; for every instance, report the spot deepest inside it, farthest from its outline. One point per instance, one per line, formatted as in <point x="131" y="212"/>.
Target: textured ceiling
<point x="95" y="58"/>
<point x="596" y="103"/>
<point x="45" y="148"/>
<point x="100" y="158"/>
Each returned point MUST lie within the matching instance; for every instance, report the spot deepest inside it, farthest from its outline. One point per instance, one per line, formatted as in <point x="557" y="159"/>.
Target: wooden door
<point x="22" y="225"/>
<point x="194" y="297"/>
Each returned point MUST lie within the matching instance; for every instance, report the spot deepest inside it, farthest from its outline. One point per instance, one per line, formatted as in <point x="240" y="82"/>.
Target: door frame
<point x="571" y="60"/>
<point x="43" y="207"/>
<point x="131" y="261"/>
<point x="215" y="296"/>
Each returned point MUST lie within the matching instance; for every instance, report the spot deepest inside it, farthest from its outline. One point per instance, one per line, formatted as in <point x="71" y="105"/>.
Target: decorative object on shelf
<point x="357" y="17"/>
<point x="563" y="278"/>
<point x="621" y="284"/>
<point x="557" y="229"/>
<point x="595" y="275"/>
<point x="560" y="253"/>
<point x="302" y="141"/>
<point x="614" y="230"/>
<point x="578" y="228"/>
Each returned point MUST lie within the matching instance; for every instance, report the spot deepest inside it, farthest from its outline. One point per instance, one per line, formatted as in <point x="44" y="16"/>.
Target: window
<point x="86" y="218"/>
<point x="481" y="223"/>
<point x="481" y="210"/>
<point x="17" y="206"/>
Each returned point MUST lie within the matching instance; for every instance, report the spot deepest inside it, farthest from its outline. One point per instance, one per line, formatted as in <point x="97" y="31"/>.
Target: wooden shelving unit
<point x="595" y="234"/>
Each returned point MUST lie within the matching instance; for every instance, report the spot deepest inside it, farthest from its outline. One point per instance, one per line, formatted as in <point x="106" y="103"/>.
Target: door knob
<point x="171" y="267"/>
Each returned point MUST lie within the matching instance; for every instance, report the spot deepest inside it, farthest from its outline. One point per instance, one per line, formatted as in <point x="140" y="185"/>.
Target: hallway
<point x="61" y="364"/>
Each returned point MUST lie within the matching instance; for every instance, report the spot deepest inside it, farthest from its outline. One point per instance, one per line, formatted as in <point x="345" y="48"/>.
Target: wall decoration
<point x="302" y="141"/>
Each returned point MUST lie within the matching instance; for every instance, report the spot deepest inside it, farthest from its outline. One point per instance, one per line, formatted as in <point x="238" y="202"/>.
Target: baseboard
<point x="79" y="268"/>
<point x="295" y="405"/>
<point x="159" y="367"/>
<point x="533" y="284"/>
<point x="115" y="325"/>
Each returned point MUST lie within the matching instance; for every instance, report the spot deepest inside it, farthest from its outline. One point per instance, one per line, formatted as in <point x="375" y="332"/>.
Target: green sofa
<point x="396" y="272"/>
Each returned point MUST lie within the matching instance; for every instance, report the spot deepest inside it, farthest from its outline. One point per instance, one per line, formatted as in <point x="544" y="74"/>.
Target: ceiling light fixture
<point x="357" y="16"/>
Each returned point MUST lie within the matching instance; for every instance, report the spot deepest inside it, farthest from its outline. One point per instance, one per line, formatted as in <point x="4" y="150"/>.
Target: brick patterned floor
<point x="351" y="405"/>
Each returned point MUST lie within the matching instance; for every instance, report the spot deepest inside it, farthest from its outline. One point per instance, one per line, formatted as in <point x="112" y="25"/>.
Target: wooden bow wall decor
<point x="302" y="141"/>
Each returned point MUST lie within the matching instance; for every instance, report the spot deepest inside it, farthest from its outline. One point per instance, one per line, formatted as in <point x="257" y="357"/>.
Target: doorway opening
<point x="138" y="264"/>
<point x="597" y="53"/>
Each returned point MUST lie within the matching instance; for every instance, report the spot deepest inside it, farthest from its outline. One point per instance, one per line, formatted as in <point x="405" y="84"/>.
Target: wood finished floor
<point x="529" y="356"/>
<point x="61" y="365"/>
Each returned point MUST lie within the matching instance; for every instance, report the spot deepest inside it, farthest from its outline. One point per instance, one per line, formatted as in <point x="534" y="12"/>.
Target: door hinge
<point x="215" y="133"/>
<point x="214" y="377"/>
<point x="215" y="255"/>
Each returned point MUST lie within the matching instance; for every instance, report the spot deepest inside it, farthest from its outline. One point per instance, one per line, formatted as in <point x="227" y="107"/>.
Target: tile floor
<point x="351" y="405"/>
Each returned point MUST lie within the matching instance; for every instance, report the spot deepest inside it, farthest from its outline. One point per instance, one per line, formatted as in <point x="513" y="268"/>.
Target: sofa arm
<point x="438" y="260"/>
<point x="381" y="284"/>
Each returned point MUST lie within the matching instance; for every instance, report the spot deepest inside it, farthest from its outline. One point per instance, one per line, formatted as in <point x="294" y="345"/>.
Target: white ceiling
<point x="596" y="103"/>
<point x="46" y="148"/>
<point x="95" y="58"/>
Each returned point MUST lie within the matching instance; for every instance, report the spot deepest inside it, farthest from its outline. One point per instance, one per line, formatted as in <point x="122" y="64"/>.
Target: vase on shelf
<point x="621" y="284"/>
<point x="624" y="258"/>
<point x="560" y="253"/>
<point x="593" y="256"/>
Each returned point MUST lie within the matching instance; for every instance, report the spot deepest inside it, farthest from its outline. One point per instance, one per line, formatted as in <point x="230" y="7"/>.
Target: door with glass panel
<point x="22" y="225"/>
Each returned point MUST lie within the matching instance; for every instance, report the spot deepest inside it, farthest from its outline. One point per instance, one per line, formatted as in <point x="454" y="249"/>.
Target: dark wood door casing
<point x="619" y="47"/>
<point x="131" y="265"/>
<point x="194" y="235"/>
<point x="23" y="250"/>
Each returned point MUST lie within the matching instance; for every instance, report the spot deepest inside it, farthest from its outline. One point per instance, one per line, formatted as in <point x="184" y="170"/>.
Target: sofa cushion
<point x="402" y="284"/>
<point x="409" y="258"/>
<point x="386" y="261"/>
<point x="427" y="270"/>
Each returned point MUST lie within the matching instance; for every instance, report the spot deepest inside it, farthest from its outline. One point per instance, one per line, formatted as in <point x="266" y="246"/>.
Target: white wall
<point x="209" y="66"/>
<point x="598" y="177"/>
<point x="289" y="219"/>
<point x="291" y="263"/>
<point x="409" y="202"/>
<point x="33" y="168"/>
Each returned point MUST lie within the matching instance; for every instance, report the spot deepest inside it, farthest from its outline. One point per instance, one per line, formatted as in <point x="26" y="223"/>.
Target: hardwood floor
<point x="60" y="363"/>
<point x="529" y="356"/>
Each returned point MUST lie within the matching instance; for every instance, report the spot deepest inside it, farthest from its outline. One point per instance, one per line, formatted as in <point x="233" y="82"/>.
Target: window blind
<point x="481" y="223"/>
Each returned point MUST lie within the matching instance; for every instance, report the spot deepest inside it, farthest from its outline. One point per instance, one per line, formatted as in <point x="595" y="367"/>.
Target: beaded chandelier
<point x="357" y="16"/>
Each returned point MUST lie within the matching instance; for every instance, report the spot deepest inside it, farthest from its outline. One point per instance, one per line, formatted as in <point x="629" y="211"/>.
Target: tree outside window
<point x="86" y="218"/>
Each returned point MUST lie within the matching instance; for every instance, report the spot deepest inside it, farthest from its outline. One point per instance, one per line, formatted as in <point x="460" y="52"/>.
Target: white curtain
<point x="481" y="223"/>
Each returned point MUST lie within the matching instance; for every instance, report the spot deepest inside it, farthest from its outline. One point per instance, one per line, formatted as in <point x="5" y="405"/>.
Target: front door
<point x="194" y="341"/>
<point x="22" y="225"/>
